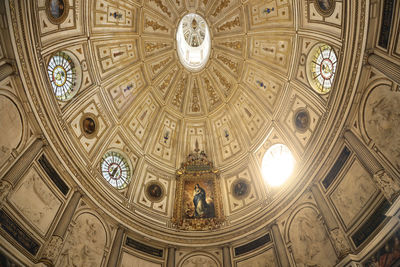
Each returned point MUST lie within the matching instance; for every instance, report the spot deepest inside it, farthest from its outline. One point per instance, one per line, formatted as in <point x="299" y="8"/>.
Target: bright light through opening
<point x="277" y="164"/>
<point x="193" y="42"/>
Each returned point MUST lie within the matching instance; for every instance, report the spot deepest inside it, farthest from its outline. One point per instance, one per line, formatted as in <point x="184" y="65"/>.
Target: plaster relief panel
<point x="163" y="85"/>
<point x="154" y="47"/>
<point x="162" y="7"/>
<point x="115" y="55"/>
<point x="94" y="109"/>
<point x="153" y="25"/>
<point x="271" y="13"/>
<point x="265" y="259"/>
<point x="154" y="191"/>
<point x="225" y="132"/>
<point x="178" y="96"/>
<point x="35" y="200"/>
<point x="250" y="115"/>
<point x="212" y="95"/>
<point x="224" y="81"/>
<point x="230" y="63"/>
<point x="381" y="120"/>
<point x="165" y="141"/>
<point x="353" y="193"/>
<point x="221" y="7"/>
<point x="129" y="260"/>
<point x="302" y="120"/>
<point x="196" y="134"/>
<point x="230" y="25"/>
<point x="54" y="21"/>
<point x="196" y="105"/>
<point x="158" y="65"/>
<point x="273" y="52"/>
<point x="235" y="45"/>
<point x="264" y="86"/>
<point x="85" y="243"/>
<point x="10" y="127"/>
<point x="311" y="245"/>
<point x="126" y="89"/>
<point x="114" y="16"/>
<point x="143" y="117"/>
<point x="241" y="190"/>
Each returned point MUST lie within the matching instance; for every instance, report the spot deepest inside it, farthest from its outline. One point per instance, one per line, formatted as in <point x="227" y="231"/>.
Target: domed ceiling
<point x="144" y="103"/>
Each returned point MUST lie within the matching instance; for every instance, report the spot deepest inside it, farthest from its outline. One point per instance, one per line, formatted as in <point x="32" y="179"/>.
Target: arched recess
<point x="199" y="257"/>
<point x="307" y="236"/>
<point x="379" y="118"/>
<point x="86" y="242"/>
<point x="13" y="126"/>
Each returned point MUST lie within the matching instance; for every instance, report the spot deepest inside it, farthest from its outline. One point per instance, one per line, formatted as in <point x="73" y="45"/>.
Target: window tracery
<point x="115" y="169"/>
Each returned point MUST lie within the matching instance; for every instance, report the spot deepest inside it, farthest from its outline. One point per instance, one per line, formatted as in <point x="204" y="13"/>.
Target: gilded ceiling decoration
<point x="133" y="96"/>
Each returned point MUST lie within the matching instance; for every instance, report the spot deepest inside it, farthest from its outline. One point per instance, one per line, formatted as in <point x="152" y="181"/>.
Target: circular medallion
<point x="240" y="188"/>
<point x="301" y="120"/>
<point x="115" y="169"/>
<point x="193" y="42"/>
<point x="325" y="7"/>
<point x="321" y="68"/>
<point x="64" y="75"/>
<point x="57" y="10"/>
<point x="89" y="125"/>
<point x="154" y="191"/>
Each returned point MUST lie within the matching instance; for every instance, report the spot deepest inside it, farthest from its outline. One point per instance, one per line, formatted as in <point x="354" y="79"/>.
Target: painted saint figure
<point x="199" y="200"/>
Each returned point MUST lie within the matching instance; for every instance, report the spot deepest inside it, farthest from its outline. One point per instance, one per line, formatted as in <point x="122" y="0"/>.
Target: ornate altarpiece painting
<point x="198" y="203"/>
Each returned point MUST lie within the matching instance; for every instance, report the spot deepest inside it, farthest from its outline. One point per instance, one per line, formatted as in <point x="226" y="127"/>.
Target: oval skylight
<point x="277" y="164"/>
<point x="193" y="42"/>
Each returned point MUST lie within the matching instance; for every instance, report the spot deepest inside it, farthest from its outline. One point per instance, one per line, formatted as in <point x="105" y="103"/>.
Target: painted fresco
<point x="388" y="255"/>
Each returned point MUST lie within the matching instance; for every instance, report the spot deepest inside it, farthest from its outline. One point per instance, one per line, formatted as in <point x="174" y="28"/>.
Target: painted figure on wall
<point x="201" y="208"/>
<point x="388" y="255"/>
<point x="57" y="8"/>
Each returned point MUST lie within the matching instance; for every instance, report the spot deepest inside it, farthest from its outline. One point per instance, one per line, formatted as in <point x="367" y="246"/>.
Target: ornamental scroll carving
<point x="198" y="202"/>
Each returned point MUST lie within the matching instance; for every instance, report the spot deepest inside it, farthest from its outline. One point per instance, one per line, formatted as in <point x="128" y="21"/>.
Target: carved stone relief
<point x="35" y="200"/>
<point x="84" y="244"/>
<point x="381" y="116"/>
<point x="353" y="192"/>
<point x="310" y="242"/>
<point x="265" y="259"/>
<point x="199" y="261"/>
<point x="10" y="128"/>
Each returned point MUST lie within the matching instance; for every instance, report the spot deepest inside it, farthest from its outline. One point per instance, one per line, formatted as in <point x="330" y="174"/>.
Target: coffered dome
<point x="140" y="84"/>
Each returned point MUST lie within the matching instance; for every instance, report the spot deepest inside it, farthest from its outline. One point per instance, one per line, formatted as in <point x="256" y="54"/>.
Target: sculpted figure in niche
<point x="382" y="119"/>
<point x="85" y="243"/>
<point x="311" y="245"/>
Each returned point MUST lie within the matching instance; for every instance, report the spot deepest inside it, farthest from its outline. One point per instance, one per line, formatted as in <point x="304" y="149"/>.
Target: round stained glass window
<point x="277" y="164"/>
<point x="193" y="42"/>
<point x="64" y="75"/>
<point x="115" y="169"/>
<point x="321" y="64"/>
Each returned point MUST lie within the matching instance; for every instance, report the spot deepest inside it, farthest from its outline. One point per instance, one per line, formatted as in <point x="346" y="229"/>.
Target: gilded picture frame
<point x="198" y="202"/>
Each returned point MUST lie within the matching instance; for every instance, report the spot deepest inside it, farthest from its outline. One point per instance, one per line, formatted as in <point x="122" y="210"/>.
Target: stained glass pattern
<point x="323" y="68"/>
<point x="115" y="169"/>
<point x="62" y="74"/>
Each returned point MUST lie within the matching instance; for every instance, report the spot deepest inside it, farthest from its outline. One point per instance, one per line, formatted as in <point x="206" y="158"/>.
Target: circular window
<point x="321" y="64"/>
<point x="277" y="164"/>
<point x="64" y="74"/>
<point x="115" y="169"/>
<point x="193" y="42"/>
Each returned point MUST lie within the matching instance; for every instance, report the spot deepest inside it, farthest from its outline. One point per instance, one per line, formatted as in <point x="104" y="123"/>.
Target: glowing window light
<point x="277" y="164"/>
<point x="193" y="42"/>
<point x="115" y="169"/>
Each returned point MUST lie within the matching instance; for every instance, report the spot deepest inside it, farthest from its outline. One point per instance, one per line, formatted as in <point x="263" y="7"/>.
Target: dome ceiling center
<point x="193" y="42"/>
